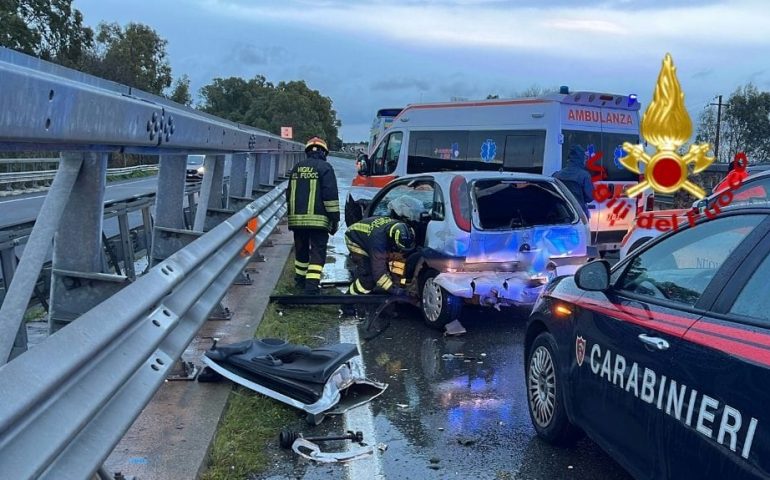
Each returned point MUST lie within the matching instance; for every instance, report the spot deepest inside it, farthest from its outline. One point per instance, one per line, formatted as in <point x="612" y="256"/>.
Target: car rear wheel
<point x="439" y="307"/>
<point x="544" y="393"/>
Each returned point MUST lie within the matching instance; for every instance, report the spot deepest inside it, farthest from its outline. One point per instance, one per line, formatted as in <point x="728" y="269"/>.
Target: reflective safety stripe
<point x="315" y="268"/>
<point x="300" y="272"/>
<point x="313" y="276"/>
<point x="397" y="268"/>
<point x="300" y="268"/>
<point x="357" y="289"/>
<point x="332" y="206"/>
<point x="299" y="264"/>
<point x="354" y="248"/>
<point x="403" y="282"/>
<point x="361" y="227"/>
<point x="293" y="199"/>
<point x="385" y="282"/>
<point x="308" y="220"/>
<point x="311" y="197"/>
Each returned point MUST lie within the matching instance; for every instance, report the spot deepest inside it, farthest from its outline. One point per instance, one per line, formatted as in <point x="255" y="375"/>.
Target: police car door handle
<point x="654" y="342"/>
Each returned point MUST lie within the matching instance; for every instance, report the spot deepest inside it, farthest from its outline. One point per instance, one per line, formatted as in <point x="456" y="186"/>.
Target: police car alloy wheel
<point x="542" y="386"/>
<point x="545" y="393"/>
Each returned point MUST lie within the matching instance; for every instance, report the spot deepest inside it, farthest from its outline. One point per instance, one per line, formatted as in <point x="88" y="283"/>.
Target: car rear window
<point x="520" y="204"/>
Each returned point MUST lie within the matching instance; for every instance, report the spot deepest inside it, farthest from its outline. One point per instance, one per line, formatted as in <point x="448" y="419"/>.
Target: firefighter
<point x="314" y="213"/>
<point x="371" y="243"/>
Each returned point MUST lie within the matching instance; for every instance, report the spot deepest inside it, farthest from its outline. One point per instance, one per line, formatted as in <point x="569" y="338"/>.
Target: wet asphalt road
<point x="455" y="407"/>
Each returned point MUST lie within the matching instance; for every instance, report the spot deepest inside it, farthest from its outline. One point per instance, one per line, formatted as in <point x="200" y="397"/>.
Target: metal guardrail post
<point x="238" y="175"/>
<point x="169" y="203"/>
<point x="126" y="245"/>
<point x="217" y="184"/>
<point x="77" y="282"/>
<point x="204" y="197"/>
<point x="251" y="170"/>
<point x="13" y="337"/>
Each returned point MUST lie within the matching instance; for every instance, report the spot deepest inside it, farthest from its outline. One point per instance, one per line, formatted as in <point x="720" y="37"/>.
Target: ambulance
<point x="529" y="135"/>
<point x="382" y="121"/>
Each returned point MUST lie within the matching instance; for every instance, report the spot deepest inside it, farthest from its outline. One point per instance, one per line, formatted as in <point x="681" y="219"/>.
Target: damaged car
<point x="492" y="239"/>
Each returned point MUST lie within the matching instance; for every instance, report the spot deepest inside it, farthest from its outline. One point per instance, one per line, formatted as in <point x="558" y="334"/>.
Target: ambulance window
<point x="437" y="151"/>
<point x="753" y="300"/>
<point x="524" y="151"/>
<point x="386" y="158"/>
<point x="680" y="268"/>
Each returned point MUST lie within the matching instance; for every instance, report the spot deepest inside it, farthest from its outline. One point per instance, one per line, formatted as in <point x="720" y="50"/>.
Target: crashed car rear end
<point x="519" y="232"/>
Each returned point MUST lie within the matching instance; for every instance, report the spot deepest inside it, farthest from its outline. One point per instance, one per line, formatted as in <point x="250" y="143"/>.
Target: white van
<point x="530" y="135"/>
<point x="382" y="121"/>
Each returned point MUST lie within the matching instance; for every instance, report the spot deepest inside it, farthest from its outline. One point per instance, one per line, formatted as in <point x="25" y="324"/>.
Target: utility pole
<point x="719" y="123"/>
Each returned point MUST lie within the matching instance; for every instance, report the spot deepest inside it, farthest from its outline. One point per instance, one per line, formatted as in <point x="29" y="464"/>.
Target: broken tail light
<point x="460" y="200"/>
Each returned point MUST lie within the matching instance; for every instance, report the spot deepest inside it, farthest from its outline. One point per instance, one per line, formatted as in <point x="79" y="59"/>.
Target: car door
<point x="724" y="362"/>
<point x="630" y="335"/>
<point x="384" y="161"/>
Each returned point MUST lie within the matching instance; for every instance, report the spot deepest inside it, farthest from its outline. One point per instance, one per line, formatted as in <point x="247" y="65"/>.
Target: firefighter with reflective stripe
<point x="371" y="243"/>
<point x="314" y="213"/>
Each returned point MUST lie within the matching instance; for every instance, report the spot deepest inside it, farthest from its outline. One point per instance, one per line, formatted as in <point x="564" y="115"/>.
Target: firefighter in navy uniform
<point x="314" y="213"/>
<point x="371" y="243"/>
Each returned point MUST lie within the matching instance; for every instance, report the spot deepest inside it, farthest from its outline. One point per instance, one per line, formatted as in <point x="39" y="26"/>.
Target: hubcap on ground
<point x="541" y="384"/>
<point x="431" y="300"/>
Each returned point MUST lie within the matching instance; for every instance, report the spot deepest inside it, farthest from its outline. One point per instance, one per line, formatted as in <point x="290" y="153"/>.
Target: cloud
<point x="252" y="55"/>
<point x="402" y="84"/>
<point x="599" y="30"/>
<point x="706" y="72"/>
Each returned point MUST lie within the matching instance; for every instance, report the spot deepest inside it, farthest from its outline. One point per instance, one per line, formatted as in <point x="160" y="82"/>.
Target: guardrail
<point x="66" y="403"/>
<point x="47" y="175"/>
<point x="85" y="385"/>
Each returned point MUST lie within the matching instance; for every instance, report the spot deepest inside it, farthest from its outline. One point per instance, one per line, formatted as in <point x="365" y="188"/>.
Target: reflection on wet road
<point x="334" y="270"/>
<point x="455" y="406"/>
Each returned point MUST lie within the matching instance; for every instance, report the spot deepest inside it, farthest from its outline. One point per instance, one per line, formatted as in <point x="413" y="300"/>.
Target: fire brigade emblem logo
<point x="666" y="125"/>
<point x="580" y="350"/>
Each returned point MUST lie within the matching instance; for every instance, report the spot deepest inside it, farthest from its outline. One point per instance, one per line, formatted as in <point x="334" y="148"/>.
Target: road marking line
<point x="360" y="418"/>
<point x="20" y="199"/>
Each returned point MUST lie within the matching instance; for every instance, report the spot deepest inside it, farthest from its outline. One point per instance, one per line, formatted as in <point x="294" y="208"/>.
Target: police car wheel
<point x="439" y="307"/>
<point x="544" y="393"/>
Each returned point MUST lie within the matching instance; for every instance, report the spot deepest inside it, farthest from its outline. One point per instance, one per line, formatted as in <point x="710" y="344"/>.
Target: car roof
<point x="481" y="175"/>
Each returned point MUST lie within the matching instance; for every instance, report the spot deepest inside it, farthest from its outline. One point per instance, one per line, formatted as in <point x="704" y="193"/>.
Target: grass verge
<point x="252" y="421"/>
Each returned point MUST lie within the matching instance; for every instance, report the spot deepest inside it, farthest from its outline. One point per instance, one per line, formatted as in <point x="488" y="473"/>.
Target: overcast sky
<point x="369" y="54"/>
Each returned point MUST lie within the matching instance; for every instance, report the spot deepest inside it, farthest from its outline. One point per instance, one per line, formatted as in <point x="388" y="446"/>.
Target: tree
<point x="134" y="56"/>
<point x="745" y="125"/>
<point x="261" y="104"/>
<point x="181" y="91"/>
<point x="49" y="29"/>
<point x="536" y="90"/>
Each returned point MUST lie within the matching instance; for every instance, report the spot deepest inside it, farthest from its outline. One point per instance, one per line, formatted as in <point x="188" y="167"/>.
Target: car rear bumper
<point x="500" y="289"/>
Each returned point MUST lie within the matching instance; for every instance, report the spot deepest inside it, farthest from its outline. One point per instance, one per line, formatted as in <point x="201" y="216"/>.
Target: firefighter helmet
<point x="402" y="237"/>
<point x="316" y="143"/>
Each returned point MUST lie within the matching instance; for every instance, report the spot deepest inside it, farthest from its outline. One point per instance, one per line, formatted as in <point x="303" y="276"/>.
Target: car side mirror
<point x="593" y="276"/>
<point x="362" y="164"/>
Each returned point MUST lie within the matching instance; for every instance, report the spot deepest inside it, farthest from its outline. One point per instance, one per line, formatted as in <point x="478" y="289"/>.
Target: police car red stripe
<point x="747" y="344"/>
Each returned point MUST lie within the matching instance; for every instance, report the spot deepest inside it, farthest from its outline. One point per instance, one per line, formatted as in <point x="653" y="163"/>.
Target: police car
<point x="663" y="359"/>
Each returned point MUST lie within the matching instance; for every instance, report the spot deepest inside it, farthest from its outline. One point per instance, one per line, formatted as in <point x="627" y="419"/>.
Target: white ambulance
<point x="382" y="121"/>
<point x="531" y="135"/>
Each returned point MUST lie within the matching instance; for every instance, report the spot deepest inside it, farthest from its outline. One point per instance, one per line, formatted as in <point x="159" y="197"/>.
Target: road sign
<point x="287" y="132"/>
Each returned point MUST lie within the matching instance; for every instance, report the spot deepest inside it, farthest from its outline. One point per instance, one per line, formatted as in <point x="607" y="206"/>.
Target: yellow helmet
<point x="316" y="143"/>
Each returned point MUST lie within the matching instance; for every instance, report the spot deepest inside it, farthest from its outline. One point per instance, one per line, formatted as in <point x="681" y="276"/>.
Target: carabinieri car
<point x="664" y="359"/>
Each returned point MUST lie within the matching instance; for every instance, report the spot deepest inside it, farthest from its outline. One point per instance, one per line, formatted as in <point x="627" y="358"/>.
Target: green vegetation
<point x="252" y="421"/>
<point x="745" y="125"/>
<point x="35" y="314"/>
<point x="261" y="104"/>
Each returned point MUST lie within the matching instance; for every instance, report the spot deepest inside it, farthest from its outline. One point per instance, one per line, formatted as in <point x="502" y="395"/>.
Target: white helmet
<point x="406" y="208"/>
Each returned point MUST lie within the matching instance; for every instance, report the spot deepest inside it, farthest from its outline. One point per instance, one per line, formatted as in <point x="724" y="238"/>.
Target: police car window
<point x="680" y="268"/>
<point x="753" y="301"/>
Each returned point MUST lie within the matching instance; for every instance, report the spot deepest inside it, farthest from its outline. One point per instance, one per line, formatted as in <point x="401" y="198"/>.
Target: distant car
<point x="755" y="191"/>
<point x="195" y="167"/>
<point x="489" y="238"/>
<point x="663" y="359"/>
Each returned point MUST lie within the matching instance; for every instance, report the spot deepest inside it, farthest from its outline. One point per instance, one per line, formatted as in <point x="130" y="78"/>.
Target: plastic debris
<point x="454" y="328"/>
<point x="311" y="451"/>
<point x="382" y="447"/>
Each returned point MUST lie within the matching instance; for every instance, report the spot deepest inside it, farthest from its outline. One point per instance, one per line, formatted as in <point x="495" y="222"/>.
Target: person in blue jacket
<point x="576" y="178"/>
